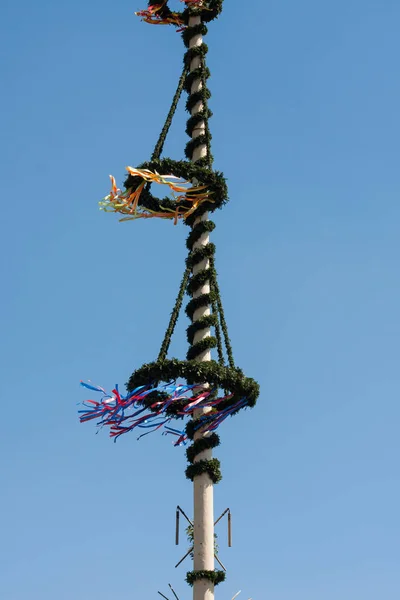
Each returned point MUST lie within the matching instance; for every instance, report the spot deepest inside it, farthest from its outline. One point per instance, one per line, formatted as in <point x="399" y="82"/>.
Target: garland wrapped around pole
<point x="204" y="471"/>
<point x="160" y="395"/>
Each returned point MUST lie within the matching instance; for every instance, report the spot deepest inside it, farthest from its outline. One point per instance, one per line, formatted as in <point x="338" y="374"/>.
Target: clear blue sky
<point x="306" y="100"/>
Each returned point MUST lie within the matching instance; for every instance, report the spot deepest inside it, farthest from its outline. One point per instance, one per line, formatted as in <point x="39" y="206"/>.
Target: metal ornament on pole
<point x="176" y="597"/>
<point x="179" y="512"/>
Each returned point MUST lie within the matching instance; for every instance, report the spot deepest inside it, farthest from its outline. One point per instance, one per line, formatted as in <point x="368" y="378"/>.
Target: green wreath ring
<point x="240" y="391"/>
<point x="160" y="13"/>
<point x="213" y="184"/>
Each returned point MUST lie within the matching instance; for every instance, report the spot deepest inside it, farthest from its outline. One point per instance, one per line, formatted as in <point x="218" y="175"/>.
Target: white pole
<point x="202" y="484"/>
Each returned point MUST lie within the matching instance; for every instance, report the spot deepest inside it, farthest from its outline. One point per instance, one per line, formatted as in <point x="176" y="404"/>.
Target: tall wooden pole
<point x="202" y="484"/>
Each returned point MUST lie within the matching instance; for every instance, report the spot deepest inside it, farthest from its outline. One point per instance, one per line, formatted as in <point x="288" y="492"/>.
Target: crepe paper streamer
<point x="150" y="15"/>
<point x="123" y="414"/>
<point x="127" y="202"/>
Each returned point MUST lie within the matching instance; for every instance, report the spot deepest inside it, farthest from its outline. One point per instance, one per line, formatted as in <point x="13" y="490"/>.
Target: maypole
<point x="211" y="390"/>
<point x="203" y="490"/>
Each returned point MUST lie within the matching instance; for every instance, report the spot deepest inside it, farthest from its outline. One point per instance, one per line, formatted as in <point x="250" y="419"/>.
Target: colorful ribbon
<point x="125" y="413"/>
<point x="151" y="15"/>
<point x="127" y="203"/>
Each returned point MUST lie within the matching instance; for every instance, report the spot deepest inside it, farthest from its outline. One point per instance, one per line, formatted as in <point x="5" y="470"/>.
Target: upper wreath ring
<point x="161" y="14"/>
<point x="209" y="193"/>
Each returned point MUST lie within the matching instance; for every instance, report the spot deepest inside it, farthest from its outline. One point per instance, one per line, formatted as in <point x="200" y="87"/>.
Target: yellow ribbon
<point x="127" y="203"/>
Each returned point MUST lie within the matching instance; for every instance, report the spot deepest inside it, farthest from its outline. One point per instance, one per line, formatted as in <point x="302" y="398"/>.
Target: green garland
<point x="199" y="302"/>
<point x="218" y="335"/>
<point x="174" y="317"/>
<point x="193" y="52"/>
<point x="212" y="467"/>
<point x="199" y="140"/>
<point x="198" y="230"/>
<point x="215" y="577"/>
<point x="206" y="321"/>
<point x="204" y="443"/>
<point x="213" y="180"/>
<point x="202" y="95"/>
<point x="200" y="72"/>
<point x="206" y="275"/>
<point x="190" y="429"/>
<point x="221" y="312"/>
<point x="218" y="376"/>
<point x="194" y="121"/>
<point x="164" y="132"/>
<point x="197" y="281"/>
<point x="199" y="254"/>
<point x="207" y="343"/>
<point x="189" y="32"/>
<point x="208" y="136"/>
<point x="210" y="11"/>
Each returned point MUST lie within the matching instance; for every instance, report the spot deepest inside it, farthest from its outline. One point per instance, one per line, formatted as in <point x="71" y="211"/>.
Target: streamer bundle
<point x="187" y="201"/>
<point x="153" y="408"/>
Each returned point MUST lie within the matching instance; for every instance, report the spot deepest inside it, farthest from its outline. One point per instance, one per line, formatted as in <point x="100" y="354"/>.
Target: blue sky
<point x="306" y="128"/>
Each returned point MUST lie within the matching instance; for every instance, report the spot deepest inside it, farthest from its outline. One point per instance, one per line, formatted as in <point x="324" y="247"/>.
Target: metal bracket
<point x="228" y="510"/>
<point x="179" y="512"/>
